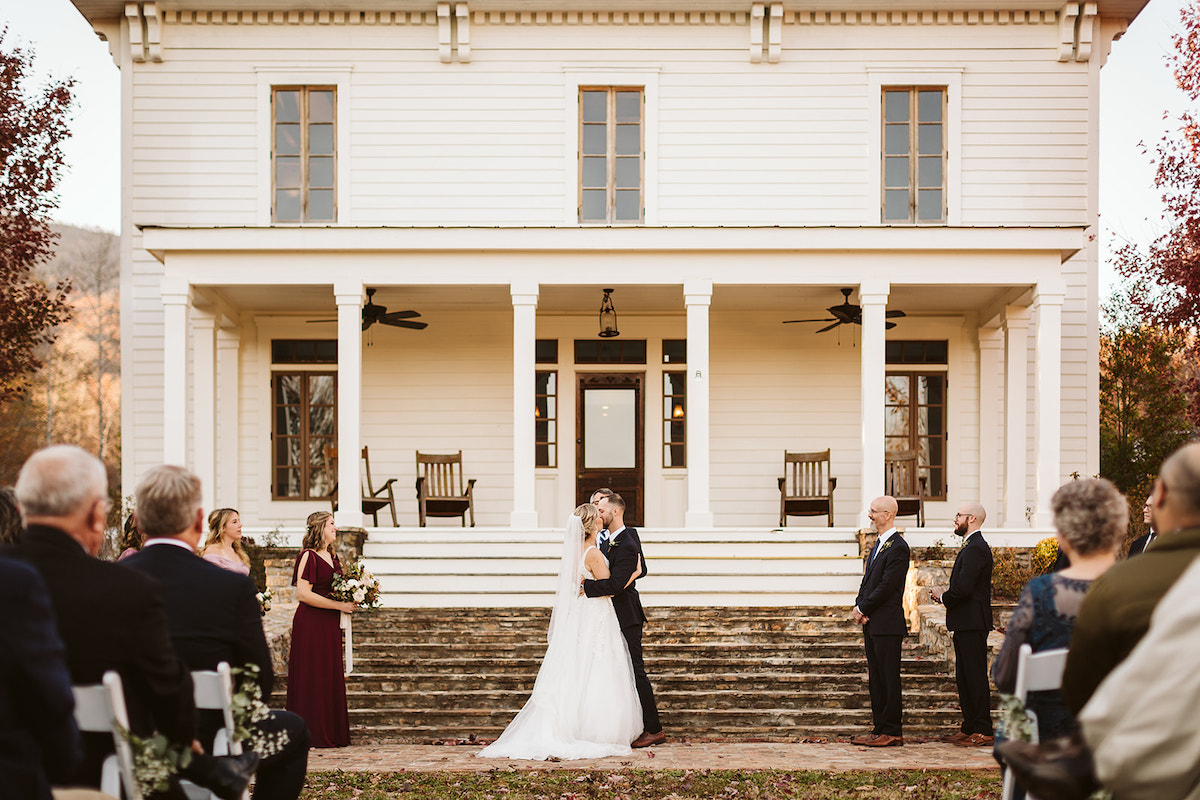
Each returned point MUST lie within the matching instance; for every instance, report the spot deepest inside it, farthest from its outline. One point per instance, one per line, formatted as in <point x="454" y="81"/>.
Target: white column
<point x="524" y="300"/>
<point x="229" y="341"/>
<point x="204" y="425"/>
<point x="349" y="297"/>
<point x="1047" y="430"/>
<point x="991" y="356"/>
<point x="872" y="296"/>
<point x="697" y="297"/>
<point x="176" y="298"/>
<point x="1016" y="379"/>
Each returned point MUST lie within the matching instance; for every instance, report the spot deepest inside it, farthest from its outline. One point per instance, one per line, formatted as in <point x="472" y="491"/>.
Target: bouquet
<point x="249" y="708"/>
<point x="356" y="585"/>
<point x="155" y="760"/>
<point x="264" y="601"/>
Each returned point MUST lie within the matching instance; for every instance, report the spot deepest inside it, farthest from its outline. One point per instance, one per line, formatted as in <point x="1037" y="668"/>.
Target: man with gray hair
<point x="213" y="616"/>
<point x="109" y="617"/>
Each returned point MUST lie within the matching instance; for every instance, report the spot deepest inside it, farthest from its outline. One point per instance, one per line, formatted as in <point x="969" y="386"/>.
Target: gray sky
<point x="1136" y="88"/>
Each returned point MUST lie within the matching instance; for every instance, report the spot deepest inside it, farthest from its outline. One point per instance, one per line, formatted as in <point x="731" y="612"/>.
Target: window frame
<point x="936" y="492"/>
<point x="575" y="77"/>
<point x="269" y="76"/>
<point x="550" y="443"/>
<point x="305" y="436"/>
<point x="305" y="179"/>
<point x="612" y="126"/>
<point x="913" y="154"/>
<point x="951" y="78"/>
<point x="670" y="421"/>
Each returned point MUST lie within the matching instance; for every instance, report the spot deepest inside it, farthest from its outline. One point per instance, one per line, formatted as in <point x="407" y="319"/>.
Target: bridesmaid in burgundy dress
<point x="316" y="687"/>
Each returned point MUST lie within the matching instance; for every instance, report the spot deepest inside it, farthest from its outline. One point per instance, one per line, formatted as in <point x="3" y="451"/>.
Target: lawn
<point x="632" y="784"/>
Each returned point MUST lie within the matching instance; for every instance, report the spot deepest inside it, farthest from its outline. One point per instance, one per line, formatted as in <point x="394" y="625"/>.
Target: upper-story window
<point x="914" y="154"/>
<point x="303" y="161"/>
<point x="611" y="154"/>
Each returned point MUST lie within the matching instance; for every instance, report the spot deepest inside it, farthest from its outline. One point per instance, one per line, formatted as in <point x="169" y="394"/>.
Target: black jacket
<point x="622" y="561"/>
<point x="212" y="613"/>
<point x="968" y="599"/>
<point x="881" y="593"/>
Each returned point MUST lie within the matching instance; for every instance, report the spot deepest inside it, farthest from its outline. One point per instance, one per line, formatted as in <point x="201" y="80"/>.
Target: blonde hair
<point x="589" y="515"/>
<point x="216" y="525"/>
<point x="316" y="528"/>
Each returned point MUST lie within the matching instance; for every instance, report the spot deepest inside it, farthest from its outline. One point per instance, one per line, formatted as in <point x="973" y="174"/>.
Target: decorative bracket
<point x="145" y="31"/>
<point x="1087" y="29"/>
<point x="756" y="33"/>
<point x="1076" y="30"/>
<point x="766" y="32"/>
<point x="454" y="32"/>
<point x="775" y="33"/>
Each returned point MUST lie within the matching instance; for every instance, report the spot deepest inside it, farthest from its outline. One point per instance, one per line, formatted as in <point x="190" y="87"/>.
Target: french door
<point x="609" y="440"/>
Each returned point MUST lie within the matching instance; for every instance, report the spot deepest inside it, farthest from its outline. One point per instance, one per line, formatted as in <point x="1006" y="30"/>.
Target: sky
<point x="1136" y="90"/>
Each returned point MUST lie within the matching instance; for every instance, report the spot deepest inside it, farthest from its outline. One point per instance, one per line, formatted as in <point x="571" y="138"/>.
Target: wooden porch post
<point x="204" y="427"/>
<point x="1047" y="303"/>
<point x="697" y="297"/>
<point x="991" y="354"/>
<point x="524" y="300"/>
<point x="176" y="300"/>
<point x="872" y="297"/>
<point x="1016" y="359"/>
<point x="349" y="297"/>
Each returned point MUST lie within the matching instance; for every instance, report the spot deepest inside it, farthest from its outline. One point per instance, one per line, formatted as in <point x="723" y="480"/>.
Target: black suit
<point x="213" y="616"/>
<point x="881" y="599"/>
<point x="968" y="602"/>
<point x="1138" y="546"/>
<point x="623" y="557"/>
<point x="111" y="617"/>
<point x="39" y="743"/>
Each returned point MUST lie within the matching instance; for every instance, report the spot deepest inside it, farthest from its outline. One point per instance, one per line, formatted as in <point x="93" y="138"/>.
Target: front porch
<point x="748" y="389"/>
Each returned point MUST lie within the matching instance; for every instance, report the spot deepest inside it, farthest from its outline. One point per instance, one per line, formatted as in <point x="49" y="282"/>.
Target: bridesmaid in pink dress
<point x="223" y="546"/>
<point x="316" y="686"/>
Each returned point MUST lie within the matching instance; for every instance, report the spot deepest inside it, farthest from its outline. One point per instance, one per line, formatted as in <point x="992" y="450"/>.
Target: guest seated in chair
<point x="213" y="616"/>
<point x="111" y="617"/>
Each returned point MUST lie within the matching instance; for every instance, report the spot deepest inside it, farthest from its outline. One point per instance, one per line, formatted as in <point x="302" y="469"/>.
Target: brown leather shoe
<point x="976" y="740"/>
<point x="864" y="739"/>
<point x="647" y="739"/>
<point x="883" y="740"/>
<point x="955" y="738"/>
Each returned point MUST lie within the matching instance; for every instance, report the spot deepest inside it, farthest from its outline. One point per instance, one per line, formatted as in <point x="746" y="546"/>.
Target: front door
<point x="609" y="439"/>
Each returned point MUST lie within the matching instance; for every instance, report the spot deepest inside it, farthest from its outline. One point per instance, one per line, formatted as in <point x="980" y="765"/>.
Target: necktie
<point x="603" y="538"/>
<point x="874" y="551"/>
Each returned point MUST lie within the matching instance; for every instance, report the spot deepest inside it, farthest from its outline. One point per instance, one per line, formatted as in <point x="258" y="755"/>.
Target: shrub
<point x="1045" y="553"/>
<point x="1010" y="572"/>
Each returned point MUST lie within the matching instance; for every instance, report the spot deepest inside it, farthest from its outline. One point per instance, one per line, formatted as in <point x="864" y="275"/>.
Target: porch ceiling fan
<point x="372" y="313"/>
<point x="847" y="314"/>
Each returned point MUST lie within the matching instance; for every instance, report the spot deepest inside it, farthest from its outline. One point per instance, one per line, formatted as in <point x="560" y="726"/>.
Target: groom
<point x="624" y="550"/>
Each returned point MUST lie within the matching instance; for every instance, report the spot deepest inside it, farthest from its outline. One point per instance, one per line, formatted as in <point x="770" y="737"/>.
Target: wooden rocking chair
<point x="373" y="500"/>
<point x="441" y="491"/>
<point x="902" y="479"/>
<point x="806" y="488"/>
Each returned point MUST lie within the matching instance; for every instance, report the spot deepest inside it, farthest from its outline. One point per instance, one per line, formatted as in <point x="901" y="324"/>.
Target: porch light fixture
<point x="677" y="411"/>
<point x="608" y="316"/>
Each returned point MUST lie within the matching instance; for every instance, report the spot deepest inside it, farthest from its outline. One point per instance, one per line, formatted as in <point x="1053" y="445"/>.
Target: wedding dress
<point x="584" y="702"/>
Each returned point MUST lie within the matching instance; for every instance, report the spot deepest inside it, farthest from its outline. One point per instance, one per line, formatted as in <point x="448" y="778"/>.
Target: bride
<point x="584" y="703"/>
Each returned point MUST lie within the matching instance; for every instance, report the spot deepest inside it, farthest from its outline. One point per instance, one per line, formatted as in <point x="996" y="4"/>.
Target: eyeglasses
<point x="960" y="514"/>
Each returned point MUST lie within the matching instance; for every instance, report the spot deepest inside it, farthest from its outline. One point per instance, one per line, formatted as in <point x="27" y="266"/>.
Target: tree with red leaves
<point x="33" y="128"/>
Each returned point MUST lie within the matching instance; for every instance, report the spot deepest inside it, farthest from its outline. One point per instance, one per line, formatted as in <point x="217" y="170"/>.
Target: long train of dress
<point x="584" y="702"/>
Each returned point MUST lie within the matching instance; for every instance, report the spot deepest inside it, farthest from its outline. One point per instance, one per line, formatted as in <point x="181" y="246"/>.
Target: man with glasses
<point x="968" y="602"/>
<point x="1139" y="545"/>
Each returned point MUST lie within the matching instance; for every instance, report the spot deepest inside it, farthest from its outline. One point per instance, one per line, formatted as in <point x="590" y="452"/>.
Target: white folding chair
<point x="100" y="708"/>
<point x="1036" y="672"/>
<point x="214" y="692"/>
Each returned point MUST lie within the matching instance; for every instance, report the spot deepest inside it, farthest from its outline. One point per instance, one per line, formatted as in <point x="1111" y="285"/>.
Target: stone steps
<point x="426" y="674"/>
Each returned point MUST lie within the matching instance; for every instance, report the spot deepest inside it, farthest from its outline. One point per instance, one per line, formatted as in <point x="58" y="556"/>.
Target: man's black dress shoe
<point x="225" y="776"/>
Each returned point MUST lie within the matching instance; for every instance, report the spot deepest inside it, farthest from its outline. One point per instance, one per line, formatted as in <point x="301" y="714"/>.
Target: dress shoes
<point x="884" y="740"/>
<point x="647" y="739"/>
<point x="955" y="738"/>
<point x="976" y="740"/>
<point x="862" y="740"/>
<point x="225" y="776"/>
<point x="1060" y="769"/>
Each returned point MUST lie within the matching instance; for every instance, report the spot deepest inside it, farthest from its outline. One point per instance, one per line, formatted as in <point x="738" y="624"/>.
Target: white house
<point x="497" y="165"/>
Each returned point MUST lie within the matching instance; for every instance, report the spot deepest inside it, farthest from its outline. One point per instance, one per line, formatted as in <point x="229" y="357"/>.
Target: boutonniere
<point x="886" y="545"/>
<point x="612" y="544"/>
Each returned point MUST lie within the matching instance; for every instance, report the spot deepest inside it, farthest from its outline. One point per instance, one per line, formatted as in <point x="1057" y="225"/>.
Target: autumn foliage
<point x="33" y="128"/>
